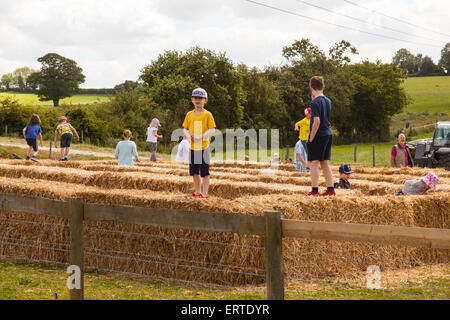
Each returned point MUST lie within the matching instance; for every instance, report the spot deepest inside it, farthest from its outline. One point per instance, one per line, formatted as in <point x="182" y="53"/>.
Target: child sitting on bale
<point x="419" y="186"/>
<point x="345" y="171"/>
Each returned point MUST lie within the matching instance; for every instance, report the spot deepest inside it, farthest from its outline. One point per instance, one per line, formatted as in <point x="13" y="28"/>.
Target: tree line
<point x="365" y="95"/>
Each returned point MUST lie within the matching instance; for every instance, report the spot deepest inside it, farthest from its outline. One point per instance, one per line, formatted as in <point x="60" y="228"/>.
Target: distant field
<point x="430" y="102"/>
<point x="32" y="99"/>
<point x="430" y="94"/>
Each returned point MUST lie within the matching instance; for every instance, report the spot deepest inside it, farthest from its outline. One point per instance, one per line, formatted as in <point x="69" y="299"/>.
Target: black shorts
<point x="32" y="143"/>
<point x="320" y="148"/>
<point x="66" y="139"/>
<point x="199" y="162"/>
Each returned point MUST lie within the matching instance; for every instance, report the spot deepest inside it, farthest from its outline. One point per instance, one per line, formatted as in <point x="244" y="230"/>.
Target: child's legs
<point x="153" y="147"/>
<point x="324" y="165"/>
<point x="30" y="148"/>
<point x="205" y="185"/>
<point x="66" y="153"/>
<point x="62" y="152"/>
<point x="314" y="171"/>
<point x="197" y="183"/>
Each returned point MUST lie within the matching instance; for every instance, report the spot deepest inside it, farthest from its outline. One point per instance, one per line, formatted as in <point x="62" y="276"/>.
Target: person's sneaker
<point x="65" y="159"/>
<point x="33" y="158"/>
<point x="204" y="197"/>
<point x="328" y="193"/>
<point x="28" y="158"/>
<point x="61" y="159"/>
<point x="193" y="195"/>
<point x="313" y="194"/>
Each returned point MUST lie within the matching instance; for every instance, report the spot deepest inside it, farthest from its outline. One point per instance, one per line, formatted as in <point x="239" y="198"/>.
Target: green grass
<point x="32" y="99"/>
<point x="430" y="102"/>
<point x="430" y="94"/>
<point x="26" y="281"/>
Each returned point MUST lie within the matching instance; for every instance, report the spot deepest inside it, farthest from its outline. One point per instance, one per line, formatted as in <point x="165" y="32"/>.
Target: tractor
<point x="435" y="152"/>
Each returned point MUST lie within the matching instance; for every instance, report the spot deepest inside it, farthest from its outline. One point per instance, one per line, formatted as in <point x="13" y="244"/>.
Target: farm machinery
<point x="435" y="152"/>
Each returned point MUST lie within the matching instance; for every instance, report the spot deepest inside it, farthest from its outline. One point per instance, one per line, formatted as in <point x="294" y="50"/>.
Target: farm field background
<point x="32" y="99"/>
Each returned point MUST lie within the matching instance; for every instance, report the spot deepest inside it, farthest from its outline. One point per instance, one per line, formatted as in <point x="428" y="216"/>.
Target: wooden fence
<point x="270" y="226"/>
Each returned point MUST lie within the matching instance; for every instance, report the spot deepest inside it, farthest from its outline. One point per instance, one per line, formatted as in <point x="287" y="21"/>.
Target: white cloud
<point x="113" y="40"/>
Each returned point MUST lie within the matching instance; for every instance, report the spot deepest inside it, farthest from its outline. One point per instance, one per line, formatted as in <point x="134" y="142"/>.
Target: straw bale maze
<point x="227" y="259"/>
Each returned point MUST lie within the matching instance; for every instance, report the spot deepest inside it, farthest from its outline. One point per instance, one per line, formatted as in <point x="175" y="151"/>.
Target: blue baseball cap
<point x="199" y="92"/>
<point x="345" y="168"/>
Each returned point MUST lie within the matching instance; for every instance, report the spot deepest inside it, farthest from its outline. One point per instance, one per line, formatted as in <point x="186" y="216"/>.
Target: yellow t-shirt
<point x="63" y="128"/>
<point x="303" y="129"/>
<point x="199" y="123"/>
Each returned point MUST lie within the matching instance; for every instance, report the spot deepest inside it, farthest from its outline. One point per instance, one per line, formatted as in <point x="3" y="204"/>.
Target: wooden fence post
<point x="354" y="154"/>
<point x="50" y="152"/>
<point x="273" y="256"/>
<point x="76" y="208"/>
<point x="6" y="130"/>
<point x="373" y="154"/>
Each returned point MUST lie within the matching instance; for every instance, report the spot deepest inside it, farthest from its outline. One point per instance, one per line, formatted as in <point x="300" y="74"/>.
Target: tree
<point x="58" y="78"/>
<point x="33" y="81"/>
<point x="428" y="66"/>
<point x="7" y="81"/>
<point x="406" y="60"/>
<point x="444" y="62"/>
<point x="172" y="77"/>
<point x="129" y="85"/>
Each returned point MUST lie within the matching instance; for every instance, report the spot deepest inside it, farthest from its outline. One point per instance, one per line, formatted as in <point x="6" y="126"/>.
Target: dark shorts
<point x="66" y="139"/>
<point x="320" y="148"/>
<point x="199" y="162"/>
<point x="32" y="143"/>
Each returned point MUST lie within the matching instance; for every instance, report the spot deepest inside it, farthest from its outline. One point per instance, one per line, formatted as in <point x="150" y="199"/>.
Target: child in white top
<point x="183" y="150"/>
<point x="152" y="136"/>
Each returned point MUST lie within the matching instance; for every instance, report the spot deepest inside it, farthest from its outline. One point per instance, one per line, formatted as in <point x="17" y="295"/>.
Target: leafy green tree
<point x="406" y="60"/>
<point x="58" y="78"/>
<point x="129" y="85"/>
<point x="378" y="96"/>
<point x="444" y="62"/>
<point x="427" y="66"/>
<point x="7" y="81"/>
<point x="172" y="77"/>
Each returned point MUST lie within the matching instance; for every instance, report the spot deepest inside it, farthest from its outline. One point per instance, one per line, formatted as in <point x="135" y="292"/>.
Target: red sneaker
<point x="204" y="197"/>
<point x="328" y="193"/>
<point x="193" y="195"/>
<point x="313" y="194"/>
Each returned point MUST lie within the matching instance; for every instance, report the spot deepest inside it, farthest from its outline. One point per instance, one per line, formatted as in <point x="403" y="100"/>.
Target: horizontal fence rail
<point x="271" y="226"/>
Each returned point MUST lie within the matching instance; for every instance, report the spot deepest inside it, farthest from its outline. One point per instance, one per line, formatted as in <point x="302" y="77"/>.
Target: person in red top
<point x="400" y="153"/>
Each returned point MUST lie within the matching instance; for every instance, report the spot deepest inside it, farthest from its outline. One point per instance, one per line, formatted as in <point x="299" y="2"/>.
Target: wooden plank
<point x="50" y="207"/>
<point x="76" y="208"/>
<point x="205" y="221"/>
<point x="274" y="256"/>
<point x="411" y="236"/>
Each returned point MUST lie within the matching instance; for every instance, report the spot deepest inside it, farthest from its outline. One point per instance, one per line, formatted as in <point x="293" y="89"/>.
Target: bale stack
<point x="221" y="258"/>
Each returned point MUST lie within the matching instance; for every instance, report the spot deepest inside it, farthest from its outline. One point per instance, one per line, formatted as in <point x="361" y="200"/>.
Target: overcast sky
<point x="112" y="40"/>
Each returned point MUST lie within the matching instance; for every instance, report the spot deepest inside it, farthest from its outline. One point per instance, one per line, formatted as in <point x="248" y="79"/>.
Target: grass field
<point x="32" y="99"/>
<point x="24" y="281"/>
<point x="430" y="102"/>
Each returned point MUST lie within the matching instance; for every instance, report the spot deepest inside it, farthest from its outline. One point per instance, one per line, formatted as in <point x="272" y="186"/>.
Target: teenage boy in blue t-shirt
<point x="320" y="138"/>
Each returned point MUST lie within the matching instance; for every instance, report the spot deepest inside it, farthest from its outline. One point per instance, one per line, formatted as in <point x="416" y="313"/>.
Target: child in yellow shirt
<point x="303" y="127"/>
<point x="199" y="126"/>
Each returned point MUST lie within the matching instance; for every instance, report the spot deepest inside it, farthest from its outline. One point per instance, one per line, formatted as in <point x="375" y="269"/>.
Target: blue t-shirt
<point x="33" y="131"/>
<point x="321" y="107"/>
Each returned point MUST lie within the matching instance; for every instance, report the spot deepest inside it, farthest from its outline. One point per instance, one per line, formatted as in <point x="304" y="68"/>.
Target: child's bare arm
<point x="56" y="138"/>
<point x="314" y="128"/>
<point x="209" y="133"/>
<point x="24" y="132"/>
<point x="75" y="132"/>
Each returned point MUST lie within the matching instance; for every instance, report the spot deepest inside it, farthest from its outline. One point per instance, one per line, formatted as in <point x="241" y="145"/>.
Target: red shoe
<point x="204" y="197"/>
<point x="193" y="195"/>
<point x="328" y="193"/>
<point x="313" y="194"/>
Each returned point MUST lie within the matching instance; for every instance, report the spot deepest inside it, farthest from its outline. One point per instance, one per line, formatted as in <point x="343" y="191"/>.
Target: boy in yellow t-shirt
<point x="199" y="126"/>
<point x="303" y="127"/>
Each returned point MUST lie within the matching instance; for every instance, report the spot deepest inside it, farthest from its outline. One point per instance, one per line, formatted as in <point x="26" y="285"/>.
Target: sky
<point x="112" y="40"/>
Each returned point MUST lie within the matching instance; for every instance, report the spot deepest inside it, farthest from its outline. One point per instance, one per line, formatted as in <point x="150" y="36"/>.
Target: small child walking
<point x="31" y="132"/>
<point x="300" y="159"/>
<point x="126" y="149"/>
<point x="152" y="137"/>
<point x="65" y="131"/>
<point x="419" y="186"/>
